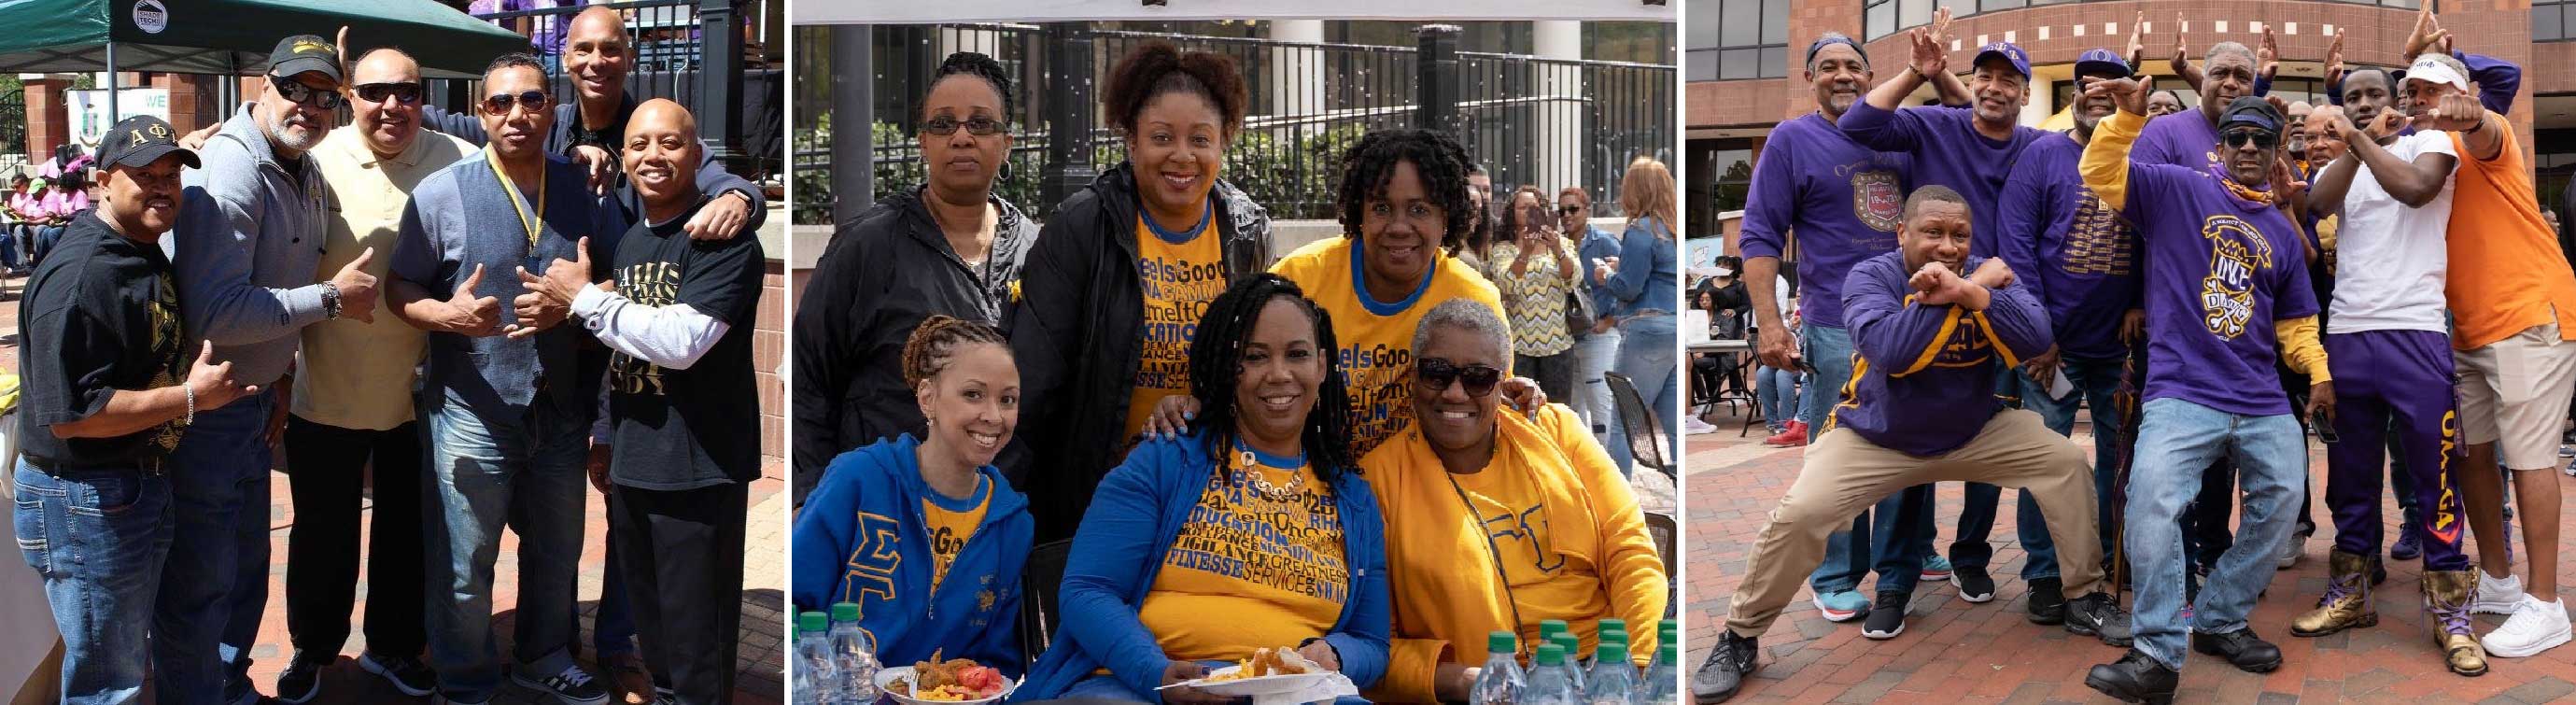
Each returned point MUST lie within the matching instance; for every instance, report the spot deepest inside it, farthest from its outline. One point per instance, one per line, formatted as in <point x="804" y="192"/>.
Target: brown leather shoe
<point x="2446" y="600"/>
<point x="629" y="682"/>
<point x="2346" y="603"/>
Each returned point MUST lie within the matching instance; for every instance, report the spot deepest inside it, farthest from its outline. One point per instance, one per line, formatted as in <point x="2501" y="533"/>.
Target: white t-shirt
<point x="2389" y="258"/>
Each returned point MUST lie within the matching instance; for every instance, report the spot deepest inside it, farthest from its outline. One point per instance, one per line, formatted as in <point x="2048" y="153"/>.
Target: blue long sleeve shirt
<point x="2070" y="251"/>
<point x="1924" y="380"/>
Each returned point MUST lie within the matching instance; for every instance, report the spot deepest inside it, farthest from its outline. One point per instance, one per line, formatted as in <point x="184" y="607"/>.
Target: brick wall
<point x="48" y="117"/>
<point x="768" y="353"/>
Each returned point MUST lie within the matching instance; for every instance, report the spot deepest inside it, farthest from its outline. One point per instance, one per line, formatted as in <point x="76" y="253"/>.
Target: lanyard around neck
<point x="518" y="203"/>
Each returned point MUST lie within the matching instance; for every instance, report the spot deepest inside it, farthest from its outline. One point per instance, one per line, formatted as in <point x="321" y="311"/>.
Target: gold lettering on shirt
<point x="654" y="284"/>
<point x="2238" y="254"/>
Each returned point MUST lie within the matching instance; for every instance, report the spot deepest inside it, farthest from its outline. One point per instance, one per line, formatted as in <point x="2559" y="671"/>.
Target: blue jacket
<point x="1649" y="267"/>
<point x="1134" y="517"/>
<point x="860" y="538"/>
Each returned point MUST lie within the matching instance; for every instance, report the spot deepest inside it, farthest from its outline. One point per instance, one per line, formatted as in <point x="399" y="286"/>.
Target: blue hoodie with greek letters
<point x="861" y="538"/>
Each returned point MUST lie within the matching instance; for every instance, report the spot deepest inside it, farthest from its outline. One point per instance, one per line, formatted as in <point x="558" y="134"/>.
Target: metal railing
<point x="1548" y="122"/>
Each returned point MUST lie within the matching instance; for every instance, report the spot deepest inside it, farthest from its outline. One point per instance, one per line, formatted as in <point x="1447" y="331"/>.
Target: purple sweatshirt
<point x="1947" y="151"/>
<point x="1841" y="200"/>
<point x="2180" y="139"/>
<point x="1923" y="376"/>
<point x="2070" y="250"/>
<point x="2220" y="271"/>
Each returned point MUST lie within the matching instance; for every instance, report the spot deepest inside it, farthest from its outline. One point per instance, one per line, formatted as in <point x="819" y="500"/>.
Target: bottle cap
<point x="1500" y="643"/>
<point x="1609" y="623"/>
<point x="1549" y="628"/>
<point x="1551" y="654"/>
<point x="810" y="623"/>
<point x="845" y="611"/>
<point x="1610" y="636"/>
<point x="1611" y="653"/>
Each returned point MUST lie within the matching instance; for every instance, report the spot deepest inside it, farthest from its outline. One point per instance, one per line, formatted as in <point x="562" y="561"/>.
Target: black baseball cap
<point x="302" y="53"/>
<point x="141" y="140"/>
<point x="2253" y="111"/>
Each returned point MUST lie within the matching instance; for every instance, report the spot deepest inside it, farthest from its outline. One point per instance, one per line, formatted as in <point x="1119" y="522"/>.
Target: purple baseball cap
<point x="2006" y="50"/>
<point x="2102" y="63"/>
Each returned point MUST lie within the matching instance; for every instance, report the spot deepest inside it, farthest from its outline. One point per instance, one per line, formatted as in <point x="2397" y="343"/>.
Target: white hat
<point x="2429" y="69"/>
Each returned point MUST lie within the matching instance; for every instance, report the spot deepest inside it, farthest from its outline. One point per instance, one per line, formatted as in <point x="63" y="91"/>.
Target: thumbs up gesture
<point x="357" y="288"/>
<point x="550" y="296"/>
<point x="471" y="315"/>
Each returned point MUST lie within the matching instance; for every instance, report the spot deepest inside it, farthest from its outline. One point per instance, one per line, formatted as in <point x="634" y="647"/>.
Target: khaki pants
<point x="1845" y="473"/>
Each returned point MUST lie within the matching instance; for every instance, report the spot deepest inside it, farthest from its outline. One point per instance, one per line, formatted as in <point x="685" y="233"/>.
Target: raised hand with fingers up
<point x="2334" y="61"/>
<point x="2267" y="60"/>
<point x="2136" y="50"/>
<point x="2428" y="34"/>
<point x="1929" y="58"/>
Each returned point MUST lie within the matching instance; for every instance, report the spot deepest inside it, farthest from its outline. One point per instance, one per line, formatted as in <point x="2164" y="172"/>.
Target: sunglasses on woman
<point x="408" y="93"/>
<point x="502" y="102"/>
<point x="946" y="126"/>
<point x="1436" y="374"/>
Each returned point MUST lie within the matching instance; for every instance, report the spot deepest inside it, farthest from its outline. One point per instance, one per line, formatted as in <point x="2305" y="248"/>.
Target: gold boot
<point x="2347" y="600"/>
<point x="2446" y="600"/>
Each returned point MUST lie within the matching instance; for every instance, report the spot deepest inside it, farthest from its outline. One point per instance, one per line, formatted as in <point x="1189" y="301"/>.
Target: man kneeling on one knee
<point x="1921" y="409"/>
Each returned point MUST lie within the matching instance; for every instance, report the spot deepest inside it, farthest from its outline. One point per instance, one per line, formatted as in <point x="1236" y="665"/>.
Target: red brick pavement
<point x="1956" y="652"/>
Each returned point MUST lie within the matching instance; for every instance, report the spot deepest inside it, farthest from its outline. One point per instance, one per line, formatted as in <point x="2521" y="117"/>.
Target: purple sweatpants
<point x="2404" y="375"/>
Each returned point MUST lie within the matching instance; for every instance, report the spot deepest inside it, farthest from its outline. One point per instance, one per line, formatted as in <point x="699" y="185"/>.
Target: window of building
<point x="1721" y="173"/>
<point x="2553" y="20"/>
<point x="1885" y="17"/>
<point x="1737" y="39"/>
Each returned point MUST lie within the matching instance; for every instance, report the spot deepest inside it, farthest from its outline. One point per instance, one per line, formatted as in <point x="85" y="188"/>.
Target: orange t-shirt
<point x="2508" y="274"/>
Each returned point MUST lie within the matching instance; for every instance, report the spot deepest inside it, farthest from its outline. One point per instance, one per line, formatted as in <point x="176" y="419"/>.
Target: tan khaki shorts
<point x="2514" y="393"/>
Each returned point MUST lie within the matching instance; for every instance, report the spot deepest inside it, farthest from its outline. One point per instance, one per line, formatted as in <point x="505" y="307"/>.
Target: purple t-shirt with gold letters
<point x="2220" y="271"/>
<point x="1841" y="199"/>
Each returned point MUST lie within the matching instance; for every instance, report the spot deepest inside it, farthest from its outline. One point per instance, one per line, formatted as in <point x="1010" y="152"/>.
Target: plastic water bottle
<point x="1669" y="633"/>
<point x="1549" y="683"/>
<point x="1613" y="680"/>
<point x="1572" y="666"/>
<point x="1610" y="623"/>
<point x="816" y="679"/>
<point x="853" y="659"/>
<point x="1548" y="629"/>
<point x="1501" y="681"/>
<point x="1663" y="680"/>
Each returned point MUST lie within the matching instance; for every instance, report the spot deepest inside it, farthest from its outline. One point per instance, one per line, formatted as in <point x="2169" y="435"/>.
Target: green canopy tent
<point x="233" y="37"/>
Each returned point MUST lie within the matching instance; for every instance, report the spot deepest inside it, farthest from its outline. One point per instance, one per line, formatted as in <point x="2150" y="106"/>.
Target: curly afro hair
<point x="983" y="67"/>
<point x="1155" y="68"/>
<point x="1435" y="155"/>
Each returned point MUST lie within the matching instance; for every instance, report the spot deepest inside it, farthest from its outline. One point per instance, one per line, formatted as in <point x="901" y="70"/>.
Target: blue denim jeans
<point x="1777" y="391"/>
<point x="214" y="585"/>
<point x="1595" y="354"/>
<point x="524" y="472"/>
<point x="98" y="538"/>
<point x="1848" y="553"/>
<point x="2177" y="442"/>
<point x="1647" y="359"/>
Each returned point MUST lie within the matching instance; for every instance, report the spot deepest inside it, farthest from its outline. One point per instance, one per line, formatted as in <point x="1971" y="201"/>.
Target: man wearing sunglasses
<point x="509" y="395"/>
<point x="246" y="283"/>
<point x="2226" y="294"/>
<point x="352" y="403"/>
<point x="2388" y="336"/>
<point x="1920" y="409"/>
<point x="598" y="54"/>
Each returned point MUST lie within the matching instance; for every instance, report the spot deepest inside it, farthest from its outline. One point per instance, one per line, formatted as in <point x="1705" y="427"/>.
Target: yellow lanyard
<point x="518" y="203"/>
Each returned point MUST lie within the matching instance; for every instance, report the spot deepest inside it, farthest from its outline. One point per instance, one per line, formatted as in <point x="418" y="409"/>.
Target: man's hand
<point x="357" y="288"/>
<point x="212" y="382"/>
<point x="1778" y="351"/>
<point x="2455" y="112"/>
<point x="1993" y="274"/>
<point x="2388" y="124"/>
<point x="1929" y="58"/>
<point x="2124" y="92"/>
<point x="2136" y="50"/>
<point x="2181" y="62"/>
<point x="2043" y="368"/>
<point x="1183" y="671"/>
<point x="2268" y="59"/>
<point x="2133" y="326"/>
<point x="469" y="315"/>
<point x="1934" y="276"/>
<point x="2427" y="35"/>
<point x="2321" y="400"/>
<point x="2334" y="63"/>
<point x="601" y="165"/>
<point x="564" y="278"/>
<point x="721" y="219"/>
<point x="197" y="140"/>
<point x="597" y="465"/>
<point x="537" y="312"/>
<point x="1941" y="287"/>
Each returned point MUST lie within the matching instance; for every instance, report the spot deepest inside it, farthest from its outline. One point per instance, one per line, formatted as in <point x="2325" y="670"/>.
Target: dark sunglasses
<point x="323" y="98"/>
<point x="946" y="126"/>
<point x="2237" y="138"/>
<point x="1569" y="210"/>
<point x="502" y="102"/>
<point x="1436" y="374"/>
<point x="408" y="93"/>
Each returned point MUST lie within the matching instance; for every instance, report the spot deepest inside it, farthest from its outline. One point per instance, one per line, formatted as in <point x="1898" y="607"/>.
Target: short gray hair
<point x="1465" y="316"/>
<point x="2229" y="48"/>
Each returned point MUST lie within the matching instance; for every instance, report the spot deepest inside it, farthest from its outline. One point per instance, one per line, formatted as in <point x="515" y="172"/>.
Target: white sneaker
<point x="2498" y="596"/>
<point x="1693" y="426"/>
<point x="2535" y="628"/>
<point x="2291" y="549"/>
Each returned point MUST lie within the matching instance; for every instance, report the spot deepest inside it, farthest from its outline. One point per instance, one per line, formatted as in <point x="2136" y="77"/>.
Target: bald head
<point x="384" y="65"/>
<point x="661" y="155"/>
<point x="385" y="93"/>
<point x="598" y="55"/>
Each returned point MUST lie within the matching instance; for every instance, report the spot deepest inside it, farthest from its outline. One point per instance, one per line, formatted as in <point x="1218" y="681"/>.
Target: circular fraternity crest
<point x="151" y="16"/>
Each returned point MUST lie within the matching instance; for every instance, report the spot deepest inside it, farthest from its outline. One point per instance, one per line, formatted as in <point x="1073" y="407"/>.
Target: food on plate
<point x="1267" y="662"/>
<point x="952" y="681"/>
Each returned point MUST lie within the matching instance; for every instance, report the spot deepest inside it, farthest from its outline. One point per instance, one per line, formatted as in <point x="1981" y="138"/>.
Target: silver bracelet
<point x="191" y="418"/>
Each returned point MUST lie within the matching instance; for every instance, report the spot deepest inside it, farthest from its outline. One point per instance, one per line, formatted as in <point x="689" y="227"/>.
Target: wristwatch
<point x="330" y="301"/>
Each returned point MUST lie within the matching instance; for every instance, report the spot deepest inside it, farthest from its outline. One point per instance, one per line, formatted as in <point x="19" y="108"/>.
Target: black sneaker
<point x="404" y="672"/>
<point x="2409" y="545"/>
<point x="2047" y="601"/>
<point x="1886" y="616"/>
<point x="2248" y="652"/>
<point x="1974" y="584"/>
<point x="2135" y="678"/>
<point x="302" y="679"/>
<point x="2097" y="615"/>
<point x="2378" y="571"/>
<point x="1723" y="673"/>
<point x="572" y="686"/>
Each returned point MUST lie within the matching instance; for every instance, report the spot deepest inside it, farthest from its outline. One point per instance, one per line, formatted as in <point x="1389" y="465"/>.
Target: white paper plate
<point x="1252" y="687"/>
<point x="887" y="677"/>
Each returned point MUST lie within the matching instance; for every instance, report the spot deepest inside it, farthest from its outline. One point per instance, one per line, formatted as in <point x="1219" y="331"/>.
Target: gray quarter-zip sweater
<point x="246" y="267"/>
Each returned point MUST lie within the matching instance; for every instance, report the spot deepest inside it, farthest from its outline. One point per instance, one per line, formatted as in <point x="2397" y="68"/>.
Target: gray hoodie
<point x="246" y="266"/>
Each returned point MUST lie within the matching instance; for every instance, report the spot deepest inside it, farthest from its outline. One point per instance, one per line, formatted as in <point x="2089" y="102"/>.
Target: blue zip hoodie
<point x="861" y="538"/>
<point x="1135" y="516"/>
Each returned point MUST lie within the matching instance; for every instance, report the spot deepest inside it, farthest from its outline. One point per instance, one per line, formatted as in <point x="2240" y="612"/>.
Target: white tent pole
<point x="112" y="116"/>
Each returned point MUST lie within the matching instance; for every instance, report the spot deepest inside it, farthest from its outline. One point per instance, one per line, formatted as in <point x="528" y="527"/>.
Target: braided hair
<point x="1435" y="155"/>
<point x="938" y="340"/>
<point x="967" y="63"/>
<point x="1216" y="368"/>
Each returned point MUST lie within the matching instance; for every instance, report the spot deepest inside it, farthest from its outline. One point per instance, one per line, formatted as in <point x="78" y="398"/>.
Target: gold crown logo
<point x="306" y="45"/>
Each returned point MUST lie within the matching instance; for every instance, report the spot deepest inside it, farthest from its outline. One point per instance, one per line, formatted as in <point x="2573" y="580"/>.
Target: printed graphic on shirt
<point x="2097" y="242"/>
<point x="1290" y="542"/>
<point x="1519" y="534"/>
<point x="1877" y="199"/>
<point x="164" y="312"/>
<point x="949" y="528"/>
<point x="653" y="284"/>
<point x="1382" y="405"/>
<point x="870" y="571"/>
<point x="1178" y="281"/>
<point x="2238" y="255"/>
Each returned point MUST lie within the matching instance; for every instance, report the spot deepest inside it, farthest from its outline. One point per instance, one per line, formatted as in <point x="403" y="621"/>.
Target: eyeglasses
<point x="502" y="102"/>
<point x="408" y="93"/>
<point x="2237" y="138"/>
<point x="946" y="126"/>
<point x="1436" y="374"/>
<point x="323" y="98"/>
<point x="1569" y="210"/>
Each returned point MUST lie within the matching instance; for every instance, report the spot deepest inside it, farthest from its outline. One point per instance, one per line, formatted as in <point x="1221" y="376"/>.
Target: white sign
<point x="150" y="16"/>
<point x="88" y="111"/>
